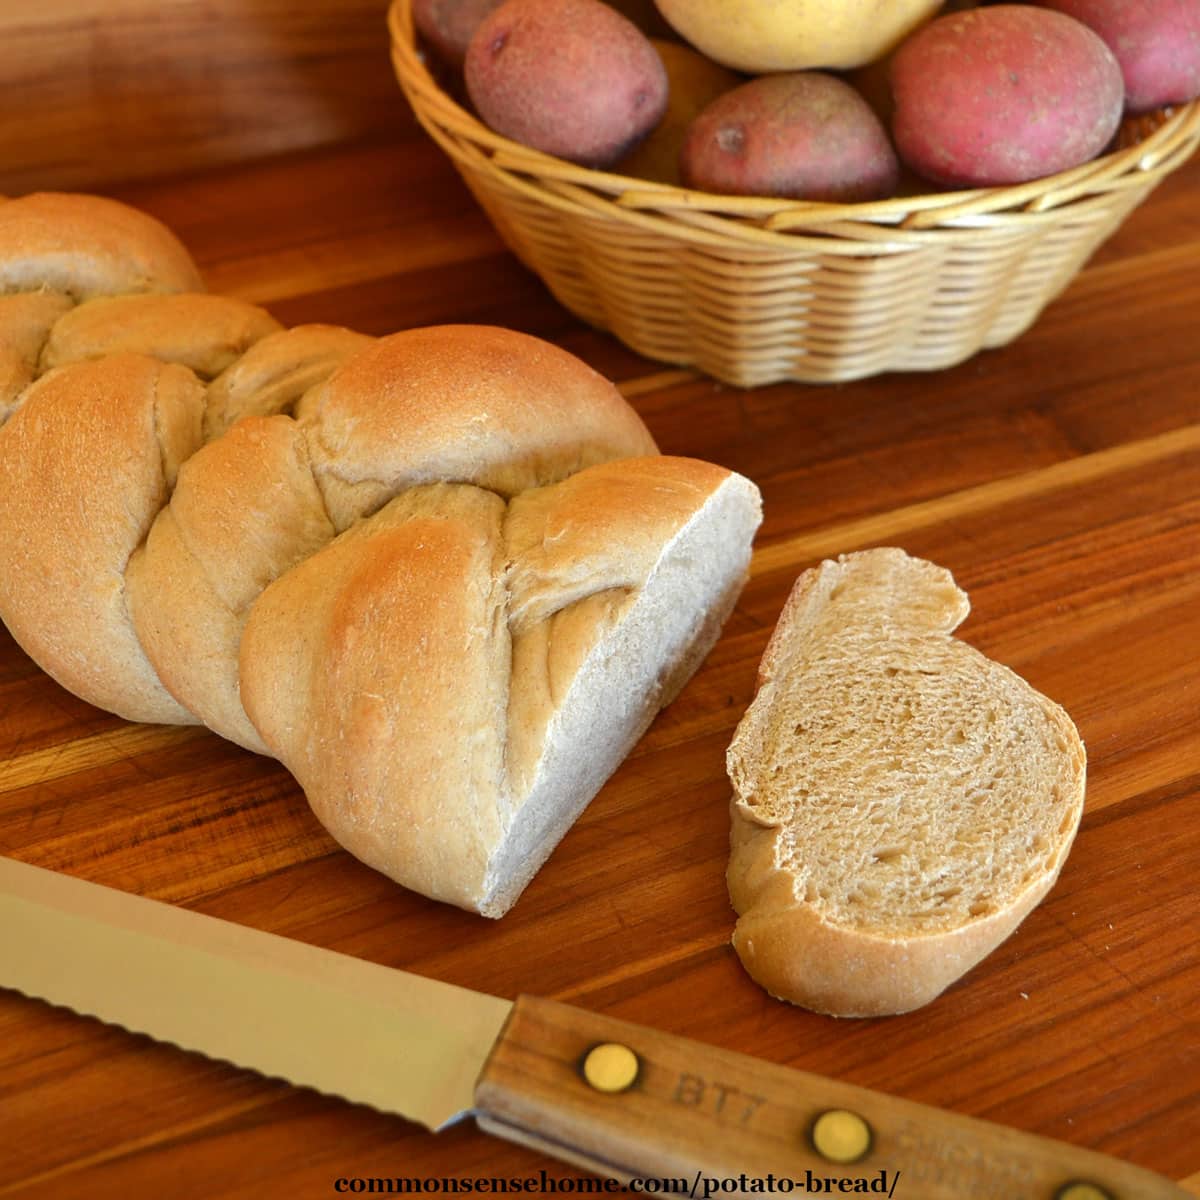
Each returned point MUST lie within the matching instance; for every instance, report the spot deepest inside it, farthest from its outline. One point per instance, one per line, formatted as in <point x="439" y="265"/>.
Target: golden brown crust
<point x="601" y="528"/>
<point x="249" y="505"/>
<point x="332" y="577"/>
<point x="351" y="663"/>
<point x="245" y="510"/>
<point x="87" y="462"/>
<point x="276" y="372"/>
<point x="26" y="319"/>
<point x="88" y="246"/>
<point x="376" y="671"/>
<point x="202" y="332"/>
<point x="465" y="404"/>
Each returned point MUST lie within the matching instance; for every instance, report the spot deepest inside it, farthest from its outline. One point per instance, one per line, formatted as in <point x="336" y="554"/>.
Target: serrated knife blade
<point x="398" y="1042"/>
<point x="613" y="1097"/>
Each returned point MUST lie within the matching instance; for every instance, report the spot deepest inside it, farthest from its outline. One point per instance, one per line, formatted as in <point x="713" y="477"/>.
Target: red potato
<point x="1001" y="95"/>
<point x="573" y="78"/>
<point x="1157" y="43"/>
<point x="802" y="135"/>
<point x="448" y="25"/>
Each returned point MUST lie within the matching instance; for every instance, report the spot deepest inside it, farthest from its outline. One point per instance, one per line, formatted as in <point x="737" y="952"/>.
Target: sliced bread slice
<point x="901" y="801"/>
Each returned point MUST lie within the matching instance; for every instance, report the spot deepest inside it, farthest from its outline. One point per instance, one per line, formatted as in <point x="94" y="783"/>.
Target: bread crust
<point x="354" y="664"/>
<point x="377" y="672"/>
<point x="464" y="404"/>
<point x="245" y="510"/>
<point x="378" y="417"/>
<point x="87" y="461"/>
<point x="838" y="932"/>
<point x="85" y="246"/>
<point x="201" y="332"/>
<point x="275" y="373"/>
<point x="444" y="575"/>
<point x="798" y="955"/>
<point x="26" y="320"/>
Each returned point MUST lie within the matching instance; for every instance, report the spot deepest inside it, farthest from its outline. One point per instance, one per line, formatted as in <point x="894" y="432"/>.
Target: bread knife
<point x="614" y="1098"/>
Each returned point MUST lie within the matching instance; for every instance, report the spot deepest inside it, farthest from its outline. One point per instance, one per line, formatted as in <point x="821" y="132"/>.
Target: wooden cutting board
<point x="1058" y="478"/>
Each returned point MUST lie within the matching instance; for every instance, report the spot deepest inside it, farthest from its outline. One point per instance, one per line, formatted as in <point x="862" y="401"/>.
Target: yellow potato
<point x="791" y="35"/>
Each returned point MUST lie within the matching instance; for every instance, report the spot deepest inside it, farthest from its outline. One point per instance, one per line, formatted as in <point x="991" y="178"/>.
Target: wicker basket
<point x="755" y="291"/>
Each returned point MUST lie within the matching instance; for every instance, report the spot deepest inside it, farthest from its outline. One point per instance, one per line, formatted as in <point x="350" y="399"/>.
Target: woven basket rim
<point x="1159" y="143"/>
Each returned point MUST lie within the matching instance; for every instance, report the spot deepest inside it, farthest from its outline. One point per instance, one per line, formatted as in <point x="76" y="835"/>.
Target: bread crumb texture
<point x="901" y="801"/>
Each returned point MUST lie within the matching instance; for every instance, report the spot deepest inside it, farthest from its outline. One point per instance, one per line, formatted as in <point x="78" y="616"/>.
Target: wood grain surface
<point x="97" y="91"/>
<point x="1059" y="478"/>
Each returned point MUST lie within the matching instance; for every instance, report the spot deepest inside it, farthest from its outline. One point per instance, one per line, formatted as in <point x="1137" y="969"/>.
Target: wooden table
<point x="1059" y="479"/>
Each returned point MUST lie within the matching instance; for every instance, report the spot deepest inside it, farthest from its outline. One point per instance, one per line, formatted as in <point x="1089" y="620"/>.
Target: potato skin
<point x="1001" y="95"/>
<point x="573" y="78"/>
<point x="1157" y="43"/>
<point x="447" y="25"/>
<point x="762" y="36"/>
<point x="801" y="135"/>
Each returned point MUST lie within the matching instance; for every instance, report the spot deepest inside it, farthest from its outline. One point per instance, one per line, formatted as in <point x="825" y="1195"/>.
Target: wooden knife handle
<point x="704" y="1122"/>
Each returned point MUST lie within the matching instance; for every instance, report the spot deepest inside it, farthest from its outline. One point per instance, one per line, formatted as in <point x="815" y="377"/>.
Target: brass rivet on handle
<point x="1080" y="1189"/>
<point x="841" y="1136"/>
<point x="610" y="1067"/>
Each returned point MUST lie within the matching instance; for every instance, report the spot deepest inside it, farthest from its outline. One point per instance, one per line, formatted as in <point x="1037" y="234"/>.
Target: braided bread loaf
<point x="443" y="576"/>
